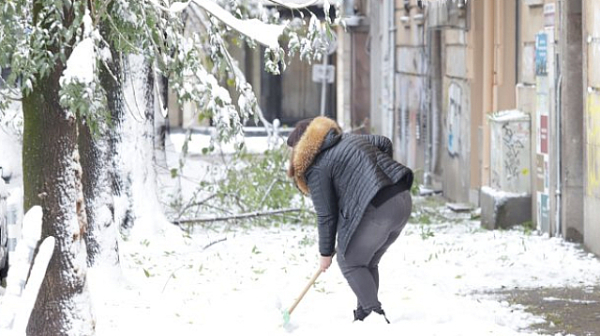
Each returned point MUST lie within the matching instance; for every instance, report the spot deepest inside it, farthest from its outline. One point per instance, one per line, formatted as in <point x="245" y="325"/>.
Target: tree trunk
<point x="52" y="179"/>
<point x="101" y="233"/>
<point x="134" y="164"/>
<point x="98" y="177"/>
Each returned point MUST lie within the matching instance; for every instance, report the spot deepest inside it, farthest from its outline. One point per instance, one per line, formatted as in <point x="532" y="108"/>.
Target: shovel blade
<point x="286" y="317"/>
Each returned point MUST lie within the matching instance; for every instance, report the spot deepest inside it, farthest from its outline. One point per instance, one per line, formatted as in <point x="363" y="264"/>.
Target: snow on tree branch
<point x="264" y="33"/>
<point x="294" y="5"/>
<point x="81" y="64"/>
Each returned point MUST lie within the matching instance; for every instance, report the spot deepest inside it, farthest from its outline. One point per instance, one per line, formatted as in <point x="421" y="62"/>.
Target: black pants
<point x="378" y="229"/>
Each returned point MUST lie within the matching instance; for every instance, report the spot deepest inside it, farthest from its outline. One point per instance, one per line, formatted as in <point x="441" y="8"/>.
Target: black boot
<point x="360" y="314"/>
<point x="381" y="312"/>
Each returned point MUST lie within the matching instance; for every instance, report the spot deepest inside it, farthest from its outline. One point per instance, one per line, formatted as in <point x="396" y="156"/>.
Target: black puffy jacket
<point x="342" y="173"/>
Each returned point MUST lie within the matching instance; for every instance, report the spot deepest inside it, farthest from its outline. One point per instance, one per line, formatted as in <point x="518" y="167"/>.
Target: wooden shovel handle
<point x="306" y="288"/>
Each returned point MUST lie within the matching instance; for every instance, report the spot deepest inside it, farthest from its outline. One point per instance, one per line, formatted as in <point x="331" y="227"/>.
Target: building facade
<point x="457" y="66"/>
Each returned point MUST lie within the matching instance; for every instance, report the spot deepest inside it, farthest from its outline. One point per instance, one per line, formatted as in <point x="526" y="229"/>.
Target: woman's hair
<point x="293" y="139"/>
<point x="298" y="131"/>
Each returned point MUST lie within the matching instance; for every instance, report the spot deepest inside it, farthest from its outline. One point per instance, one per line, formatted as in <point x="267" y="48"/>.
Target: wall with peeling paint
<point x="592" y="171"/>
<point x="457" y="130"/>
<point x="456" y="112"/>
<point x="432" y="54"/>
<point x="563" y="102"/>
<point x="593" y="144"/>
<point x="411" y="90"/>
<point x="592" y="125"/>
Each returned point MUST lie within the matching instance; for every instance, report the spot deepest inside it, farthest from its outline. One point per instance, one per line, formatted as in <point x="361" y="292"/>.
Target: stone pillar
<point x="571" y="125"/>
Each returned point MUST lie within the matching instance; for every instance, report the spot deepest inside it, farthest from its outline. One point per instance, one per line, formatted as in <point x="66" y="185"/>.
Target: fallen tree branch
<point x="237" y="216"/>
<point x="214" y="242"/>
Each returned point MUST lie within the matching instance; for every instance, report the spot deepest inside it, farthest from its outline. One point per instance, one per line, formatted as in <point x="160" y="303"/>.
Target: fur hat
<point x="299" y="129"/>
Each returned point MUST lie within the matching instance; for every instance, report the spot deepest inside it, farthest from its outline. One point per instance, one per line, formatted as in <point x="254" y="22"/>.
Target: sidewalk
<point x="567" y="311"/>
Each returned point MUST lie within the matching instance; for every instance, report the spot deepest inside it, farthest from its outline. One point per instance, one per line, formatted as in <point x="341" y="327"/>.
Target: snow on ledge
<point x="501" y="195"/>
<point x="509" y="115"/>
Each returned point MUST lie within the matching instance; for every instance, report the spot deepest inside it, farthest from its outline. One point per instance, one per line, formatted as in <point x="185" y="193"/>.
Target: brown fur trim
<point x="290" y="171"/>
<point x="308" y="147"/>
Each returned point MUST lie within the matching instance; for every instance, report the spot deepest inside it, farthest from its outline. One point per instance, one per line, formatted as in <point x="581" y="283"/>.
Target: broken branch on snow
<point x="237" y="216"/>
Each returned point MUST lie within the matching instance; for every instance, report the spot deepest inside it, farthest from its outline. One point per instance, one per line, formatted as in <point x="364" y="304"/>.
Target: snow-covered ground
<point x="240" y="284"/>
<point x="224" y="280"/>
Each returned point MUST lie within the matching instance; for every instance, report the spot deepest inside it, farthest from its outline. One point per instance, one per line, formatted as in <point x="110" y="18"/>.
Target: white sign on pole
<point x="321" y="72"/>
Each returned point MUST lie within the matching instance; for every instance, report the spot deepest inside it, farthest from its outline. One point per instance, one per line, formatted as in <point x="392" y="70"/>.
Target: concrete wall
<point x="591" y="66"/>
<point x="531" y="21"/>
<point x="376" y="51"/>
<point x="505" y="53"/>
<point x="571" y="122"/>
<point x="466" y="166"/>
<point x="475" y="56"/>
<point x="411" y="87"/>
<point x="434" y="68"/>
<point x="457" y="117"/>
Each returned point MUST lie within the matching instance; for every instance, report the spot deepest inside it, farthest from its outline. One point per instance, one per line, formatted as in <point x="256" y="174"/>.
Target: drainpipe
<point x="428" y="44"/>
<point x="392" y="66"/>
<point x="488" y="84"/>
<point x="558" y="120"/>
<point x="557" y="193"/>
<point x="517" y="39"/>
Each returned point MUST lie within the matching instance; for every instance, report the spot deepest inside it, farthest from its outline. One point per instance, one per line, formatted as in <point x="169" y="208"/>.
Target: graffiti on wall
<point x="454" y="116"/>
<point x="593" y="145"/>
<point x="510" y="154"/>
<point x="514" y="146"/>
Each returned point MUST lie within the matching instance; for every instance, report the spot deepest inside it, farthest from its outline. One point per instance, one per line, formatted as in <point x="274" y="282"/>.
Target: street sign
<point x="322" y="72"/>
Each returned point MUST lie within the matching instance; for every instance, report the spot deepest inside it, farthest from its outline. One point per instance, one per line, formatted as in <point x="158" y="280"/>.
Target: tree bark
<point x="52" y="179"/>
<point x="98" y="178"/>
<point x="101" y="234"/>
<point x="135" y="181"/>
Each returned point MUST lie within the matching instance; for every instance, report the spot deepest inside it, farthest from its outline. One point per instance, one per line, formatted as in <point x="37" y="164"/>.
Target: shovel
<point x="288" y="312"/>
